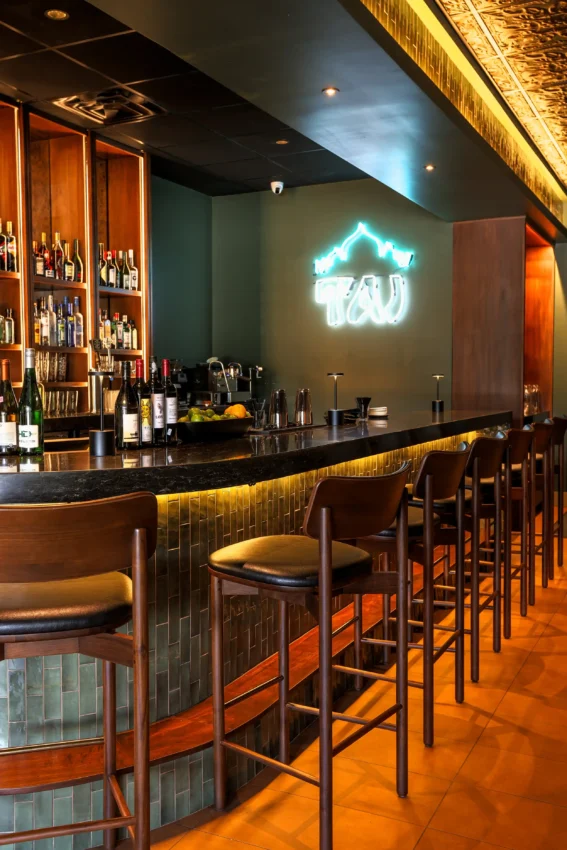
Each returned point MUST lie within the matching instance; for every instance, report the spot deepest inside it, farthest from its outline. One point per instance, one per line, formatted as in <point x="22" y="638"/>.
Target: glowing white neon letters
<point x="380" y="299"/>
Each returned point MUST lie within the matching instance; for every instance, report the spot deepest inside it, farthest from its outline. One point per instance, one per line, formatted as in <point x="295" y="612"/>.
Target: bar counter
<point x="209" y="495"/>
<point x="76" y="476"/>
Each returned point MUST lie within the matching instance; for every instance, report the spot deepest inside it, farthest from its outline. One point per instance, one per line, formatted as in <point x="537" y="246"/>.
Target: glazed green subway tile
<point x="71" y="714"/>
<point x="196" y="786"/>
<point x="34" y="676"/>
<point x="87" y="692"/>
<point x="23" y="821"/>
<point x="7" y="813"/>
<point x="43" y="809"/>
<point x="17" y="734"/>
<point x="52" y="693"/>
<point x="53" y="730"/>
<point x="167" y="797"/>
<point x="70" y="673"/>
<point x="35" y="732"/>
<point x="16" y="695"/>
<point x="88" y="725"/>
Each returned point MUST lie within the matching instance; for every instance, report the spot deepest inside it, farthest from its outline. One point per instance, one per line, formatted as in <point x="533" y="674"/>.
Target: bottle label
<point x="28" y="436"/>
<point x="171" y="411"/>
<point x="133" y="279"/>
<point x="8" y="433"/>
<point x="40" y="266"/>
<point x="146" y="419"/>
<point x="130" y="427"/>
<point x="112" y="276"/>
<point x="158" y="411"/>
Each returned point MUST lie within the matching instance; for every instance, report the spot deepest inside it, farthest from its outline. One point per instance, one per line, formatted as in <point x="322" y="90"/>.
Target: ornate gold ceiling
<point x="523" y="48"/>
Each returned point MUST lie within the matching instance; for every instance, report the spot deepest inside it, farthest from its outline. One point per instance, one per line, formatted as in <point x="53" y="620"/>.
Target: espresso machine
<point x="213" y="382"/>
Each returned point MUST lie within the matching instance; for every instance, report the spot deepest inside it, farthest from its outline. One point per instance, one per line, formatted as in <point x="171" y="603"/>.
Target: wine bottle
<point x="102" y="266"/>
<point x="101" y="318"/>
<point x="61" y="327"/>
<point x="134" y="331"/>
<point x="44" y="324"/>
<point x="158" y="405"/>
<point x="68" y="264"/>
<point x="171" y="405"/>
<point x="9" y="327"/>
<point x="71" y="329"/>
<point x="144" y="394"/>
<point x="8" y="412"/>
<point x="126" y="282"/>
<point x="126" y="413"/>
<point x="3" y="250"/>
<point x="58" y="257"/>
<point x="111" y="268"/>
<point x="133" y="270"/>
<point x="79" y="324"/>
<point x="52" y="319"/>
<point x="2" y="328"/>
<point x="119" y="270"/>
<point x="126" y="333"/>
<point x="119" y="332"/>
<point x="36" y="324"/>
<point x="48" y="267"/>
<point x="11" y="249"/>
<point x="78" y="263"/>
<point x="39" y="257"/>
<point x="30" y="428"/>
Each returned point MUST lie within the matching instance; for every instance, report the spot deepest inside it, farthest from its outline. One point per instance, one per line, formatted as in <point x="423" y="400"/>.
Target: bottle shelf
<point x="120" y="293"/>
<point x="62" y="349"/>
<point x="126" y="352"/>
<point x="10" y="275"/>
<point x="64" y="385"/>
<point x="10" y="346"/>
<point x="49" y="283"/>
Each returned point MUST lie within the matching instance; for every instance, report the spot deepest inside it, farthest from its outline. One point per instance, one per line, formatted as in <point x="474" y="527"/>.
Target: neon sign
<point x="379" y="299"/>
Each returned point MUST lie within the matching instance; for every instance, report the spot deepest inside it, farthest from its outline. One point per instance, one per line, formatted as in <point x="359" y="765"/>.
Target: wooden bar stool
<point x="542" y="477"/>
<point x="309" y="570"/>
<point x="558" y="440"/>
<point x="61" y="592"/>
<point x="517" y="489"/>
<point x="438" y="489"/>
<point x="484" y="477"/>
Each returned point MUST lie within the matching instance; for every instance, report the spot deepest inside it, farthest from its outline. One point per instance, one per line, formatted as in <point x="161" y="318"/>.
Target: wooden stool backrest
<point x="487" y="455"/>
<point x="519" y="443"/>
<point x="57" y="542"/>
<point x="543" y="435"/>
<point x="559" y="429"/>
<point x="360" y="506"/>
<point x="445" y="471"/>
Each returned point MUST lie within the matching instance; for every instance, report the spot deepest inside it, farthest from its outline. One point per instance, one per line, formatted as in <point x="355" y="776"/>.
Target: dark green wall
<point x="264" y="247"/>
<point x="181" y="272"/>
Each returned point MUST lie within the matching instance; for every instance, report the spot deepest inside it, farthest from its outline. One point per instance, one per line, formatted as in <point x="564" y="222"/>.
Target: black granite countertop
<point x="76" y="476"/>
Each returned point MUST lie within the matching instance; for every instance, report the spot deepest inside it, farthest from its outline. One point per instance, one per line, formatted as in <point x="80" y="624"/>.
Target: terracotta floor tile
<point x="194" y="839"/>
<point x="365" y="786"/>
<point x="533" y="712"/>
<point x="540" y="677"/>
<point x="432" y="839"/>
<point x="275" y="821"/>
<point x="547" y="742"/>
<point x="502" y="819"/>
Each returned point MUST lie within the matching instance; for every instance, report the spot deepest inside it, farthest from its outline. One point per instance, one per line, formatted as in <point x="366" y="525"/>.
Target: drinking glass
<point x="73" y="402"/>
<point x="363" y="402"/>
<point x="258" y="411"/>
<point x="61" y="367"/>
<point x="52" y="358"/>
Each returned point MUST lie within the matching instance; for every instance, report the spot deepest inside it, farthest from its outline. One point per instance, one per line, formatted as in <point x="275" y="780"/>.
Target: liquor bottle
<point x="68" y="264"/>
<point x="102" y="266"/>
<point x="111" y="265"/>
<point x="30" y="427"/>
<point x="134" y="331"/>
<point x="127" y="413"/>
<point x="39" y="260"/>
<point x="144" y="394"/>
<point x="71" y="329"/>
<point x="133" y="270"/>
<point x="78" y="263"/>
<point x="9" y="327"/>
<point x="61" y="327"/>
<point x="119" y="332"/>
<point x="108" y="329"/>
<point x="38" y="264"/>
<point x="79" y="324"/>
<point x="126" y="333"/>
<point x="58" y="257"/>
<point x="36" y="324"/>
<point x="119" y="273"/>
<point x="171" y="405"/>
<point x="126" y="282"/>
<point x="113" y="329"/>
<point x="52" y="319"/>
<point x="11" y="248"/>
<point x="43" y="324"/>
<point x="101" y="318"/>
<point x="8" y="413"/>
<point x="48" y="267"/>
<point x="3" y="250"/>
<point x="158" y="405"/>
<point x="2" y="328"/>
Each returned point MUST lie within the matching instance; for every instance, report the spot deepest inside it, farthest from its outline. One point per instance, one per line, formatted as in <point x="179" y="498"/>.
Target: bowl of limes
<point x="205" y="423"/>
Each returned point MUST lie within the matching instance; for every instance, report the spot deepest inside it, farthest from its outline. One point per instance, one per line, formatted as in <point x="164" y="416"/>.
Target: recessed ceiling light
<point x="330" y="91"/>
<point x="429" y="167"/>
<point x="56" y="14"/>
<point x="282" y="142"/>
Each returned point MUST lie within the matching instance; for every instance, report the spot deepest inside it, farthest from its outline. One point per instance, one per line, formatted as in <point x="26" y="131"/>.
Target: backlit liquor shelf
<point x="65" y="191"/>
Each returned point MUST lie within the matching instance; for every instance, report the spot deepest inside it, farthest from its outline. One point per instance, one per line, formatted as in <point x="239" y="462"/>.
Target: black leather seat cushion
<point x="443" y="506"/>
<point x="103" y="601"/>
<point x="486" y="488"/>
<point x="287" y="560"/>
<point x="415" y="524"/>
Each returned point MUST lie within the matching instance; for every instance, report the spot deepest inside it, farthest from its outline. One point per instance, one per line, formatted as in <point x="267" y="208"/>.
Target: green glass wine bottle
<point x="30" y="428"/>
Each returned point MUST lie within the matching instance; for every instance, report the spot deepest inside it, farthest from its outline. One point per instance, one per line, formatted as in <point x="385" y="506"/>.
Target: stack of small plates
<point x="378" y="412"/>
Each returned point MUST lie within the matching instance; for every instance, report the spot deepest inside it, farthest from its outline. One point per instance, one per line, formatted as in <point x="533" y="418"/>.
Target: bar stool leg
<point x="109" y="730"/>
<point x="402" y="655"/>
<point x="357" y="606"/>
<point x="410" y="598"/>
<point x="524" y="573"/>
<point x="460" y="600"/>
<point x="532" y="566"/>
<point x="551" y="512"/>
<point x="475" y="566"/>
<point x="219" y="753"/>
<point x="428" y="614"/>
<point x="283" y="657"/>
<point x="560" y="500"/>
<point x="497" y="574"/>
<point x="386" y="612"/>
<point x="508" y="552"/>
<point x="141" y="692"/>
<point x="545" y="523"/>
<point x="325" y="685"/>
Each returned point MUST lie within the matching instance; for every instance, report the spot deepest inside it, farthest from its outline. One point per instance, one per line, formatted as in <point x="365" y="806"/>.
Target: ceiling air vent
<point x="111" y="106"/>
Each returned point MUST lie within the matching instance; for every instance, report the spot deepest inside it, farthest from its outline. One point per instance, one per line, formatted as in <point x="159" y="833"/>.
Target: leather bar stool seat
<point x="416" y="525"/>
<point x="101" y="601"/>
<point x="287" y="560"/>
<point x="486" y="487"/>
<point x="447" y="508"/>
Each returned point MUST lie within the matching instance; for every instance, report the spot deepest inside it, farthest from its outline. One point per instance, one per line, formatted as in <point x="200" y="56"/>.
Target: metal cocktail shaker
<point x="278" y="409"/>
<point x="303" y="409"/>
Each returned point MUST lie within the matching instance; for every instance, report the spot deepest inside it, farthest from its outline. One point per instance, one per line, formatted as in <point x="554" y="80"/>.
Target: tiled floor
<point x="496" y="777"/>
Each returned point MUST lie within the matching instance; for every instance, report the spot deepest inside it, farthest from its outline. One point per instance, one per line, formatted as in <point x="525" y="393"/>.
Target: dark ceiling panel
<point x="242" y="120"/>
<point x="248" y="169"/>
<point x="210" y="152"/>
<point x="266" y="143"/>
<point x="188" y="92"/>
<point x="318" y="162"/>
<point x="165" y="130"/>
<point x="127" y="58"/>
<point x="14" y="43"/>
<point x="84" y="22"/>
<point x="49" y="75"/>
